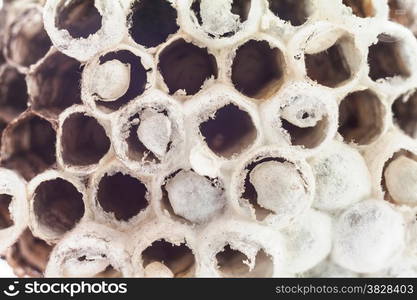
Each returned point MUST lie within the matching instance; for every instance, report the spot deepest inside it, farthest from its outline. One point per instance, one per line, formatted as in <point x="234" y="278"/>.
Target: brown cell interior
<point x="84" y="141"/>
<point x="405" y="114"/>
<point x="240" y="8"/>
<point x="58" y="205"/>
<point x="230" y="131"/>
<point x="138" y="78"/>
<point x="399" y="14"/>
<point x="330" y="67"/>
<point x="385" y="59"/>
<point x="123" y="195"/>
<point x="361" y="8"/>
<point x="13" y="94"/>
<point x="57" y="84"/>
<point x="308" y="137"/>
<point x="31" y="146"/>
<point x="361" y="117"/>
<point x="230" y="264"/>
<point x="152" y="21"/>
<point x="178" y="258"/>
<point x="258" y="69"/>
<point x="296" y="12"/>
<point x="79" y="17"/>
<point x="31" y="42"/>
<point x="185" y="66"/>
<point x="29" y="255"/>
<point x="5" y="217"/>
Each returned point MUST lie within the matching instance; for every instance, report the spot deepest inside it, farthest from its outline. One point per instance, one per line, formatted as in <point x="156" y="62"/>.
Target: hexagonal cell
<point x="258" y="69"/>
<point x="185" y="66"/>
<point x="122" y="195"/>
<point x="13" y="94"/>
<point x="79" y="17"/>
<point x="58" y="205"/>
<point x="361" y="8"/>
<point x="404" y="109"/>
<point x="29" y="255"/>
<point x="386" y="60"/>
<point x="151" y="22"/>
<point x="137" y="83"/>
<point x="295" y="12"/>
<point x="55" y="84"/>
<point x="361" y="117"/>
<point x="329" y="67"/>
<point x="179" y="259"/>
<point x="400" y="13"/>
<point x="28" y="145"/>
<point x="233" y="263"/>
<point x="5" y="218"/>
<point x="239" y="12"/>
<point x="229" y="131"/>
<point x="27" y="41"/>
<point x="83" y="141"/>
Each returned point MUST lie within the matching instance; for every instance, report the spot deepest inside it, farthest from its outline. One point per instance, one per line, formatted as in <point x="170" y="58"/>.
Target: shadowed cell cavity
<point x="361" y="8"/>
<point x="5" y="218"/>
<point x="293" y="11"/>
<point x="13" y="94"/>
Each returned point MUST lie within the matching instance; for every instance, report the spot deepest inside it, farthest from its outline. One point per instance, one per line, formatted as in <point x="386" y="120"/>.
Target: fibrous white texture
<point x="214" y="138"/>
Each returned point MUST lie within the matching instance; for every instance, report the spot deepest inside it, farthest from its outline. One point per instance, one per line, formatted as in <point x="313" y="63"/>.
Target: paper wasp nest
<point x="208" y="138"/>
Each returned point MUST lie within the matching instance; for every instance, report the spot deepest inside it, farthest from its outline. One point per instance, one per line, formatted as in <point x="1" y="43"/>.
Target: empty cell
<point x="27" y="40"/>
<point x="233" y="263"/>
<point x="122" y="195"/>
<point x="361" y="117"/>
<point x="58" y="205"/>
<point x="55" y="84"/>
<point x="174" y="260"/>
<point x="230" y="131"/>
<point x="294" y="11"/>
<point x="79" y="17"/>
<point x="30" y="146"/>
<point x="405" y="114"/>
<point x="329" y="67"/>
<point x="13" y="94"/>
<point x="5" y="218"/>
<point x="361" y="8"/>
<point x="386" y="60"/>
<point x="152" y="21"/>
<point x="401" y="12"/>
<point x="257" y="69"/>
<point x="234" y="12"/>
<point x="185" y="66"/>
<point x="84" y="141"/>
<point x="308" y="137"/>
<point x="137" y="78"/>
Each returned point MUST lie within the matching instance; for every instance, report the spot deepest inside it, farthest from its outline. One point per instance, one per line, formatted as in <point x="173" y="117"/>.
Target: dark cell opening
<point x="230" y="264"/>
<point x="84" y="141"/>
<point x="400" y="14"/>
<point x="31" y="147"/>
<point x="405" y="114"/>
<point x="229" y="132"/>
<point x="361" y="117"/>
<point x="361" y="8"/>
<point x="185" y="66"/>
<point x="13" y="94"/>
<point x="257" y="69"/>
<point x="80" y="17"/>
<point x="152" y="21"/>
<point x="122" y="195"/>
<point x="138" y="78"/>
<point x="385" y="59"/>
<point x="5" y="216"/>
<point x="240" y="8"/>
<point x="309" y="137"/>
<point x="58" y="205"/>
<point x="329" y="67"/>
<point x="293" y="11"/>
<point x="57" y="83"/>
<point x="30" y="42"/>
<point x="29" y="255"/>
<point x="178" y="258"/>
